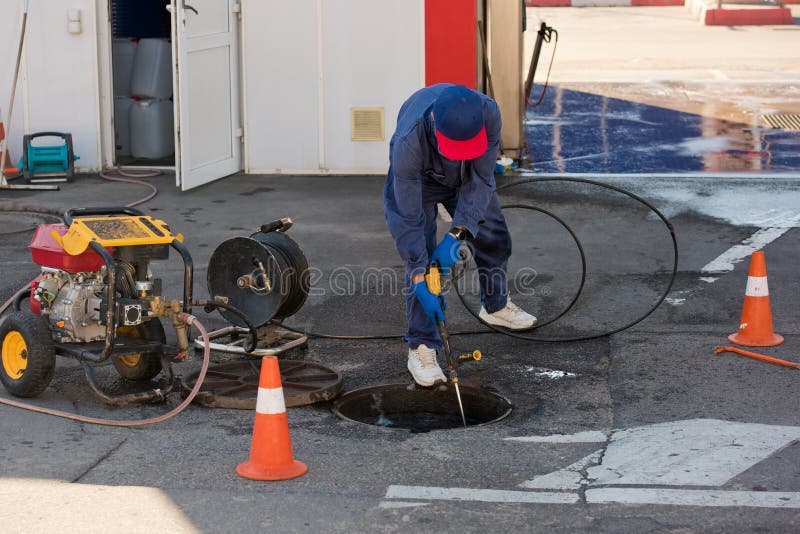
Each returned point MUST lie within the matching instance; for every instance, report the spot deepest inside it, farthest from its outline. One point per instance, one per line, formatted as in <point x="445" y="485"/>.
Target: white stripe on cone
<point x="270" y="401"/>
<point x="757" y="287"/>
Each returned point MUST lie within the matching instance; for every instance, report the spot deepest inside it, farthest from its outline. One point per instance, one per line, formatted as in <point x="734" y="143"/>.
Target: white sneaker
<point x="423" y="366"/>
<point x="512" y="317"/>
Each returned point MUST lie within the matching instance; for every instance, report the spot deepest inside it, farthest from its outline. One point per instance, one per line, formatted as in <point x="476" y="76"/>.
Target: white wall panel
<point x="280" y="66"/>
<point x="371" y="58"/>
<point x="58" y="81"/>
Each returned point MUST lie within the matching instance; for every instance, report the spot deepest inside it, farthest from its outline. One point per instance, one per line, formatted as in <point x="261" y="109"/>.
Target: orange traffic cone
<point x="10" y="168"/>
<point x="271" y="452"/>
<point x="755" y="328"/>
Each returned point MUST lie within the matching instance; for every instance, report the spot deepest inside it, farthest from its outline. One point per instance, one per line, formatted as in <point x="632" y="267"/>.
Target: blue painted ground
<point x="577" y="132"/>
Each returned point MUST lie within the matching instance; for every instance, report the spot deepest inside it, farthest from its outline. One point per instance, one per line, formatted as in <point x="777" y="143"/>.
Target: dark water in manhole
<point x="403" y="406"/>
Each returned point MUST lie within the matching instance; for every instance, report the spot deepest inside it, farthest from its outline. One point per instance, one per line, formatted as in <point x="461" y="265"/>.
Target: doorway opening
<point x="141" y="64"/>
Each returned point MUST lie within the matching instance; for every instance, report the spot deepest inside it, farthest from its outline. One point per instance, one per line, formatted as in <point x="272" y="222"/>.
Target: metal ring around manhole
<point x="235" y="384"/>
<point x="12" y="222"/>
<point x="410" y="407"/>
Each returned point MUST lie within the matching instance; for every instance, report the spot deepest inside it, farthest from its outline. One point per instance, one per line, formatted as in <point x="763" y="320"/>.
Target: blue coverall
<point x="419" y="178"/>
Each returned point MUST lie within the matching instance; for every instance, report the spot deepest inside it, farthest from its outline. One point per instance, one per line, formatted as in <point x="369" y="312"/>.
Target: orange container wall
<point x="450" y="42"/>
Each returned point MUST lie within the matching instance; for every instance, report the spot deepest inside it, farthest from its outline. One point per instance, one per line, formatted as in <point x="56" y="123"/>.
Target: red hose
<point x="129" y="180"/>
<point x="189" y="320"/>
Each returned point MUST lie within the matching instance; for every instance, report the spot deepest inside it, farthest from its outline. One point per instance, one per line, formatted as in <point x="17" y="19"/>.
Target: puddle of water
<point x="578" y="132"/>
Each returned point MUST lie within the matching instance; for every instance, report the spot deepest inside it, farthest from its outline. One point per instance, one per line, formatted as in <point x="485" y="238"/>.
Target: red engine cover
<point x="47" y="252"/>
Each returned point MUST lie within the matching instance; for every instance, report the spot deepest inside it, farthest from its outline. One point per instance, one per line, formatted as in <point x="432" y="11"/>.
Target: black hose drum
<point x="265" y="276"/>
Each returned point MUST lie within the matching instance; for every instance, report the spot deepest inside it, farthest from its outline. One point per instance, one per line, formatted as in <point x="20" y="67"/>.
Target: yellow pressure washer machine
<point x="96" y="298"/>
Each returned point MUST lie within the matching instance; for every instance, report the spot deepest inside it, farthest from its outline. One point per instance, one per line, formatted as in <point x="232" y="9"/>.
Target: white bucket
<point x="152" y="130"/>
<point x="123" y="52"/>
<point x="152" y="69"/>
<point x="122" y="125"/>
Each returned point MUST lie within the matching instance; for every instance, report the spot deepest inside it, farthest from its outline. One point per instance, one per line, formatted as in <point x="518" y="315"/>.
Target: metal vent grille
<point x="366" y="124"/>
<point x="784" y="121"/>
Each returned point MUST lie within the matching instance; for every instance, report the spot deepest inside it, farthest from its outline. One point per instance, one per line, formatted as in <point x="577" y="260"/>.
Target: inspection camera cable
<point x="460" y="271"/>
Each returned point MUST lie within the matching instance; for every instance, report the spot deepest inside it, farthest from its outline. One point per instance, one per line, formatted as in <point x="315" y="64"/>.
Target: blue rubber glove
<point x="446" y="253"/>
<point x="434" y="305"/>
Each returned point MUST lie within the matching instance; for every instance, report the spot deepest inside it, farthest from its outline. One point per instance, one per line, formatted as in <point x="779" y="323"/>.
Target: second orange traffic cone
<point x="755" y="328"/>
<point x="271" y="451"/>
<point x="10" y="169"/>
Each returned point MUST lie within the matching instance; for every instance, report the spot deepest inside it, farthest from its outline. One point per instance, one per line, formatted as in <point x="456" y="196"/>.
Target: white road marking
<point x="569" y="478"/>
<point x="580" y="437"/>
<point x="683" y="497"/>
<point x="659" y="496"/>
<point x="401" y="504"/>
<point x="719" y="75"/>
<point x="480" y="495"/>
<point x="726" y="261"/>
<point x="555" y="375"/>
<point x="697" y="452"/>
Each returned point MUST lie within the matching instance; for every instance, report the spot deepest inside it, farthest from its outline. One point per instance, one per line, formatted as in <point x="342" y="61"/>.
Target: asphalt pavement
<point x="645" y="430"/>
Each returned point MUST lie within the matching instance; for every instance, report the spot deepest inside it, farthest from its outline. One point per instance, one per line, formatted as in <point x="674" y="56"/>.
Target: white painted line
<point x="706" y="498"/>
<point x="725" y="262"/>
<point x="719" y="75"/>
<point x="401" y="504"/>
<point x="581" y="437"/>
<point x="479" y="495"/>
<point x="555" y="375"/>
<point x="696" y="452"/>
<point x="567" y="479"/>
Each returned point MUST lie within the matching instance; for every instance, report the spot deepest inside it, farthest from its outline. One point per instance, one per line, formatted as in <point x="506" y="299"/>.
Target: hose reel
<point x="264" y="275"/>
<point x="253" y="281"/>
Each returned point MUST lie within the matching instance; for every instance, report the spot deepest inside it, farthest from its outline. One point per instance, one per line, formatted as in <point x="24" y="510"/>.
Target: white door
<point x="208" y="134"/>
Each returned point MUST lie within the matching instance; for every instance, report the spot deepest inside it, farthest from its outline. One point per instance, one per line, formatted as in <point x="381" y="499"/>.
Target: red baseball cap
<point x="460" y="129"/>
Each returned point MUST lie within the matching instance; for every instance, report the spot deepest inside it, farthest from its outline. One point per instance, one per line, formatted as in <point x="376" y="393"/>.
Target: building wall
<point x="308" y="62"/>
<point x="57" y="89"/>
<point x="280" y="84"/>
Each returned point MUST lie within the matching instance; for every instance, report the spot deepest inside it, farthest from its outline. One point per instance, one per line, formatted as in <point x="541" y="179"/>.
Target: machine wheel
<point x="141" y="366"/>
<point x="28" y="357"/>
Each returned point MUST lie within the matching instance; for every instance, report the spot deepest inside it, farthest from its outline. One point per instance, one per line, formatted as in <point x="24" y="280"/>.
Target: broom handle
<point x="13" y="92"/>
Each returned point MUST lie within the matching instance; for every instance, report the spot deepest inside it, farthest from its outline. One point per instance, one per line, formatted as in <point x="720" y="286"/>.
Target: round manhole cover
<point x="406" y="406"/>
<point x="22" y="221"/>
<point x="235" y="384"/>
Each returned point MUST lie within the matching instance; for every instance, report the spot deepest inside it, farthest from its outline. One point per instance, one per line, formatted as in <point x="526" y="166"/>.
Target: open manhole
<point x="235" y="384"/>
<point x="22" y="221"/>
<point x="409" y="407"/>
